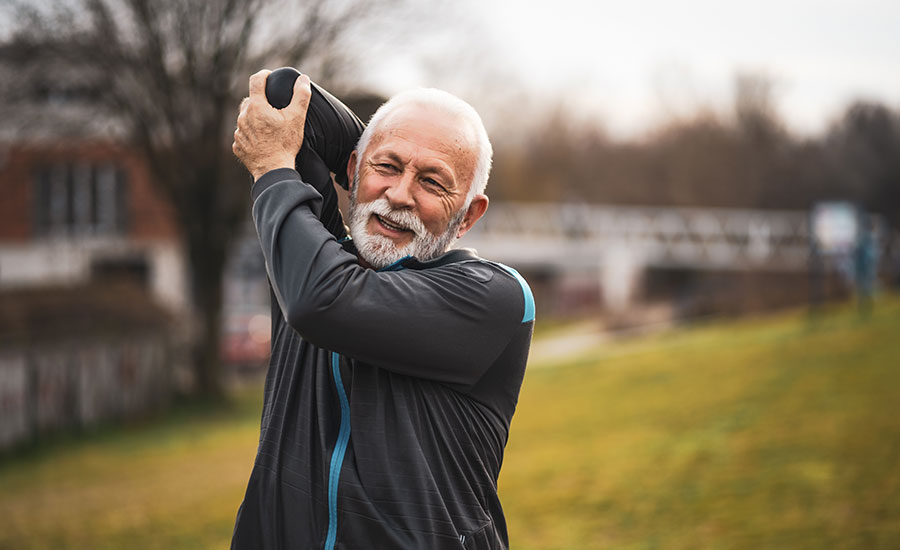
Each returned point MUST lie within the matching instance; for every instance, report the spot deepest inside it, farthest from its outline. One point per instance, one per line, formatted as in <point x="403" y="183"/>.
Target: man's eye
<point x="433" y="183"/>
<point x="387" y="167"/>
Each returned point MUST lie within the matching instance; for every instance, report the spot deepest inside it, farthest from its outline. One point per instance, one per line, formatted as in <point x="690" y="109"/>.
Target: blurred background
<point x="704" y="197"/>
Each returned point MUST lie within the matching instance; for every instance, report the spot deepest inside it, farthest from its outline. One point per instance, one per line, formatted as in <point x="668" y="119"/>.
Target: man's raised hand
<point x="267" y="138"/>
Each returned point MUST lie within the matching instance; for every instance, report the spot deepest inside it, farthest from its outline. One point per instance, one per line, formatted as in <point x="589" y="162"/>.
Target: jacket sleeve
<point x="447" y="323"/>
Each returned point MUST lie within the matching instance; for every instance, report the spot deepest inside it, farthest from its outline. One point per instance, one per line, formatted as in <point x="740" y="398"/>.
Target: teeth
<point x="391" y="225"/>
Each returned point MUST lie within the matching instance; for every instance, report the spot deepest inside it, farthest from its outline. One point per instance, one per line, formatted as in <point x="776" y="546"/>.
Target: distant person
<point x="396" y="362"/>
<point x="865" y="264"/>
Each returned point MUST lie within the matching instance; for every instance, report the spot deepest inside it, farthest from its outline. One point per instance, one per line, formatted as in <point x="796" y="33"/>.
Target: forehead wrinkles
<point x="428" y="130"/>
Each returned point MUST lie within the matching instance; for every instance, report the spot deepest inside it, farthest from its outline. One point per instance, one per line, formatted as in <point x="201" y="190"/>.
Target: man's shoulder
<point x="516" y="280"/>
<point x="504" y="282"/>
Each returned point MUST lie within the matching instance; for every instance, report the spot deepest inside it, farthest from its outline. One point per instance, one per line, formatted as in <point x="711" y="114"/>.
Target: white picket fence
<point x="76" y="385"/>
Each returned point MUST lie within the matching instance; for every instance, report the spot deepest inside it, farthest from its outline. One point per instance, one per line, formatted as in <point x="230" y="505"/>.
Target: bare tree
<point x="171" y="73"/>
<point x="754" y="108"/>
<point x="863" y="149"/>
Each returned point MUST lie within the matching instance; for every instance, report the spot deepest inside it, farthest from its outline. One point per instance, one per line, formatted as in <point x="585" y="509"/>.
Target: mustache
<point x="403" y="218"/>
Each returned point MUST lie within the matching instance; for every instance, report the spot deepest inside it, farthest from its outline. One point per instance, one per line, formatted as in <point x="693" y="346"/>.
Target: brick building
<point x="77" y="211"/>
<point x="92" y="286"/>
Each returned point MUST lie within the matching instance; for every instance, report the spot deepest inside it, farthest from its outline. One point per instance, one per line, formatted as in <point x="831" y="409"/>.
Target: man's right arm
<point x="447" y="324"/>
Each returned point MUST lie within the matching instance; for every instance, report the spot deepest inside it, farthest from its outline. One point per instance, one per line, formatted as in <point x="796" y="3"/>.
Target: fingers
<point x="302" y="93"/>
<point x="242" y="113"/>
<point x="235" y="148"/>
<point x="238" y="146"/>
<point x="239" y="143"/>
<point x="258" y="84"/>
<point x="267" y="138"/>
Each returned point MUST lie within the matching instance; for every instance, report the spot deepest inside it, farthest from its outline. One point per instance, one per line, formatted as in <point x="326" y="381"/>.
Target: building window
<point x="80" y="199"/>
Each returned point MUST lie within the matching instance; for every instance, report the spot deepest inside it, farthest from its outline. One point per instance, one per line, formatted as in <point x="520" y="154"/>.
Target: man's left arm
<point x="447" y="324"/>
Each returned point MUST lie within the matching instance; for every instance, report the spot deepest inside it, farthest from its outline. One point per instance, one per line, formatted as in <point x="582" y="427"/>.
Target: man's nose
<point x="400" y="193"/>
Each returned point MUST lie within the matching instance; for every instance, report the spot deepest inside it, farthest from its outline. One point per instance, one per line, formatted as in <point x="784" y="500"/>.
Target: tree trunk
<point x="206" y="354"/>
<point x="206" y="242"/>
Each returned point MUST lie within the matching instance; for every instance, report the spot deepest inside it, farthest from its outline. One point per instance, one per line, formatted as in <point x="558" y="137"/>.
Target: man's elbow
<point x="313" y="319"/>
<point x="300" y="315"/>
<point x="319" y="308"/>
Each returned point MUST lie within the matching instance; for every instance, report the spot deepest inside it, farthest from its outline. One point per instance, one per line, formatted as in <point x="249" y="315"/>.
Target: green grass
<point x="771" y="432"/>
<point x="766" y="433"/>
<point x="170" y="483"/>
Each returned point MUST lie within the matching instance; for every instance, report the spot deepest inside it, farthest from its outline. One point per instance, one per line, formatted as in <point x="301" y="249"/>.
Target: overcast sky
<point x="630" y="63"/>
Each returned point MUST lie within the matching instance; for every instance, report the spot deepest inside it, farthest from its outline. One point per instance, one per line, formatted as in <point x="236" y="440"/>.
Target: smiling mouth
<point x="391" y="226"/>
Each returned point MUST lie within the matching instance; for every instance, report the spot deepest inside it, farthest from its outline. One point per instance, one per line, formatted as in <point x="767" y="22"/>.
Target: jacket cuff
<point x="271" y="178"/>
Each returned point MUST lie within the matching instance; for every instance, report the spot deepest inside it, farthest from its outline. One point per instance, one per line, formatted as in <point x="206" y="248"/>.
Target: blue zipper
<point x="337" y="456"/>
<point x="340" y="448"/>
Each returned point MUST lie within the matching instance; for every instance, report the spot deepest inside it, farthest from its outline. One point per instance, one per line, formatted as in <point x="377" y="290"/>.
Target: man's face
<point x="410" y="188"/>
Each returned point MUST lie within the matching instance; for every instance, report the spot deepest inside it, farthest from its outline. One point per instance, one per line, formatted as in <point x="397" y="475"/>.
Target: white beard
<point x="380" y="251"/>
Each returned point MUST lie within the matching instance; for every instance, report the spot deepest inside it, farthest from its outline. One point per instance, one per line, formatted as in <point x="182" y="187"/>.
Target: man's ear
<point x="477" y="208"/>
<point x="351" y="170"/>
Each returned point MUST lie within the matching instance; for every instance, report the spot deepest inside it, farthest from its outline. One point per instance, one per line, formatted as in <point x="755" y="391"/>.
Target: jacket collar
<point x="453" y="255"/>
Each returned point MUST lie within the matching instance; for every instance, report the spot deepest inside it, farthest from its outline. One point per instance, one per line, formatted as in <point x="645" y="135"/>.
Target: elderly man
<point x="396" y="362"/>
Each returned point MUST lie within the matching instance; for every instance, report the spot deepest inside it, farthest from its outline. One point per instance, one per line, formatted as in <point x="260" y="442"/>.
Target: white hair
<point x="445" y="102"/>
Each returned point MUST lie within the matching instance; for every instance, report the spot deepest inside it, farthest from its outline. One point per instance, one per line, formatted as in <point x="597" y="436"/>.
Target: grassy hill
<point x="773" y="432"/>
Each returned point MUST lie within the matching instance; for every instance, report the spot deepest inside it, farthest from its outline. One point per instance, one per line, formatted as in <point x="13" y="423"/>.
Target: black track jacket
<point x="389" y="393"/>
